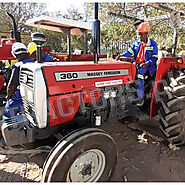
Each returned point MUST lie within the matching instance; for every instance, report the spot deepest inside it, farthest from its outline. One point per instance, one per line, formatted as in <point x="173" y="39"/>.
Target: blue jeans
<point x="13" y="106"/>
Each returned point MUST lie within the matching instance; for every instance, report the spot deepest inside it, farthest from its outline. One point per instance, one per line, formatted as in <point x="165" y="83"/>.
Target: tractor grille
<point x="29" y="111"/>
<point x="26" y="77"/>
<point x="95" y="94"/>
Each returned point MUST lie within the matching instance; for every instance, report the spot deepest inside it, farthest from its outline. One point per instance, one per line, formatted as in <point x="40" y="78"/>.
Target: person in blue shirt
<point x="145" y="52"/>
<point x="32" y="51"/>
<point x="14" y="101"/>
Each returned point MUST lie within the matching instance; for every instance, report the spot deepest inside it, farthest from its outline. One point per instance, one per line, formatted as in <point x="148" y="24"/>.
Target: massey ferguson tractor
<point x="168" y="89"/>
<point x="65" y="102"/>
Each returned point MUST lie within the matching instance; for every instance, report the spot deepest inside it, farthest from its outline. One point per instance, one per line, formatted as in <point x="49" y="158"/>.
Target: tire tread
<point x="172" y="111"/>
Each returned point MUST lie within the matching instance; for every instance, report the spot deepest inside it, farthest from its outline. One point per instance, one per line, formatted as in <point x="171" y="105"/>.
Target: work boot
<point x="140" y="102"/>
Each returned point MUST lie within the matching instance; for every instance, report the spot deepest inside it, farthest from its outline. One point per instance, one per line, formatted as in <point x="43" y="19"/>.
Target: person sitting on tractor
<point x="32" y="50"/>
<point x="14" y="101"/>
<point x="145" y="52"/>
<point x="8" y="69"/>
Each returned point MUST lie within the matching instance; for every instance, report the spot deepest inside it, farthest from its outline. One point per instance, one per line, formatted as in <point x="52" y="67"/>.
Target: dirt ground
<point x="145" y="159"/>
<point x="150" y="162"/>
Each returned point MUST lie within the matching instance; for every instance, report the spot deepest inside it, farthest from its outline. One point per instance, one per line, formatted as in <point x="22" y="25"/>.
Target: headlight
<point x="109" y="94"/>
<point x="106" y="95"/>
<point x="180" y="60"/>
<point x="113" y="94"/>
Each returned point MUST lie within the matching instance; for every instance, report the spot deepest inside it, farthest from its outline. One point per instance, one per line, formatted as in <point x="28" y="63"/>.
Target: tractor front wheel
<point x="86" y="155"/>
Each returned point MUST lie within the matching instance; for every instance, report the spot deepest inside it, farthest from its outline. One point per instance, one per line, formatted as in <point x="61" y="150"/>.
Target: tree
<point x="22" y="12"/>
<point x="73" y="13"/>
<point x="115" y="31"/>
<point x="58" y="41"/>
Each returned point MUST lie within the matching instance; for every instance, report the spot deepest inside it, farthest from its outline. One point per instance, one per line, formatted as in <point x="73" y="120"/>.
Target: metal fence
<point x="116" y="47"/>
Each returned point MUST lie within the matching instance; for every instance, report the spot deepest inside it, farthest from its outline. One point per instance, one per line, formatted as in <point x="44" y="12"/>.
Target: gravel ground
<point x="139" y="159"/>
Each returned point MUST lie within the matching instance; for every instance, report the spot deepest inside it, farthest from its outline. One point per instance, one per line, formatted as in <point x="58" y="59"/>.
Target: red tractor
<point x="168" y="90"/>
<point x="65" y="102"/>
<point x="5" y="54"/>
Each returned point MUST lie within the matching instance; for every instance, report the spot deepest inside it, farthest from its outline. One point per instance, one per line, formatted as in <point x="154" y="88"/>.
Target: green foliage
<point x="77" y="42"/>
<point x="56" y="41"/>
<point x="115" y="30"/>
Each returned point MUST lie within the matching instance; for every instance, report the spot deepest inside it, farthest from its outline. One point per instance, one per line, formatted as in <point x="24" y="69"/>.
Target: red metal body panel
<point x="83" y="57"/>
<point x="64" y="96"/>
<point x="2" y="81"/>
<point x="5" y="49"/>
<point x="61" y="56"/>
<point x="90" y="94"/>
<point x="164" y="66"/>
<point x="63" y="108"/>
<point x="55" y="87"/>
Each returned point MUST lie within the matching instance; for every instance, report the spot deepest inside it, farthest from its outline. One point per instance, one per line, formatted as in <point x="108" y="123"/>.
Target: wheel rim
<point x="88" y="167"/>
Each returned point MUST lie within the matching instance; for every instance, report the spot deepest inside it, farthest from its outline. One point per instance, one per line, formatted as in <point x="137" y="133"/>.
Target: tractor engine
<point x="56" y="94"/>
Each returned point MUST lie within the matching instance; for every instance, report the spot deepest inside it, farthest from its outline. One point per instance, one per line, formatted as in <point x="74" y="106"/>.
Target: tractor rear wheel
<point x="86" y="155"/>
<point x="172" y="111"/>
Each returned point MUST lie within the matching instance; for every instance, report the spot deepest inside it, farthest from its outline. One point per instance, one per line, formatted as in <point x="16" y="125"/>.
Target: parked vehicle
<point x="69" y="100"/>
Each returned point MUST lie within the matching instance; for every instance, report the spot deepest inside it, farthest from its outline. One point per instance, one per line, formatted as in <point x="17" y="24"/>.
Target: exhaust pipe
<point x="96" y="33"/>
<point x="15" y="33"/>
<point x="174" y="45"/>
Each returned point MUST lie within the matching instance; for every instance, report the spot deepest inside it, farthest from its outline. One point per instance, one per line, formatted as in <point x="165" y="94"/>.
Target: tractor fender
<point x="166" y="64"/>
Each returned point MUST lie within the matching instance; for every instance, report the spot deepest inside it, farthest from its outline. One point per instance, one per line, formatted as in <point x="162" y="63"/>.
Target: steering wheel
<point x="126" y="59"/>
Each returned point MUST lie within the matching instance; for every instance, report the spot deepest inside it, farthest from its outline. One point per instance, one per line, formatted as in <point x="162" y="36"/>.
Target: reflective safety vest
<point x="151" y="51"/>
<point x="23" y="62"/>
<point x="10" y="63"/>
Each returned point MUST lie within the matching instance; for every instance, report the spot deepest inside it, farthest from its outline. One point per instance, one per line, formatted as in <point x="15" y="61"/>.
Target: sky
<point x="63" y="5"/>
<point x="56" y="5"/>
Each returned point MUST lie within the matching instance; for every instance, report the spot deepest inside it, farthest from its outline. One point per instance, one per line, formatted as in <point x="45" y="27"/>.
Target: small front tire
<point x="86" y="155"/>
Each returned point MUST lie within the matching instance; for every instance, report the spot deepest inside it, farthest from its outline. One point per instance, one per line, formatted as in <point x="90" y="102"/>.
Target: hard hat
<point x="143" y="27"/>
<point x="32" y="47"/>
<point x="18" y="48"/>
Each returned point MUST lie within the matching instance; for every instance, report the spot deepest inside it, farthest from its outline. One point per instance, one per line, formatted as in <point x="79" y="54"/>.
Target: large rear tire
<point x="172" y="111"/>
<point x="86" y="155"/>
